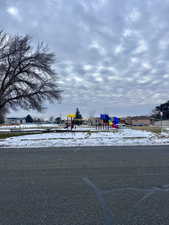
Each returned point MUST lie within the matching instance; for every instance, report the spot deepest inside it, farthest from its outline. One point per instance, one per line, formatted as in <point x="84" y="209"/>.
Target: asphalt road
<point x="85" y="186"/>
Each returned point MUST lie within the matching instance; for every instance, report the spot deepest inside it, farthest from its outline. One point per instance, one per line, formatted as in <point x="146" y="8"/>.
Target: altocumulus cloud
<point x="113" y="56"/>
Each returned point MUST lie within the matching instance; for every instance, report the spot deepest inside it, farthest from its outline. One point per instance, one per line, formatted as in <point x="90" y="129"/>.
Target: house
<point x="15" y="120"/>
<point x="139" y="121"/>
<point x="95" y="121"/>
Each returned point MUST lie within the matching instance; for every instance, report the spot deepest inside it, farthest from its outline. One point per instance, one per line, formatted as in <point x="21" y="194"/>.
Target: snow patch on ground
<point x="91" y="138"/>
<point x="28" y="126"/>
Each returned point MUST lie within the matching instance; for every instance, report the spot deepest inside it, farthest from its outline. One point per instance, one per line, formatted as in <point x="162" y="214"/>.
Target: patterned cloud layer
<point x="112" y="56"/>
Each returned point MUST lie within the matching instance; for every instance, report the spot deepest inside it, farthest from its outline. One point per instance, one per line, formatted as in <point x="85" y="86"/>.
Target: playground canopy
<point x="107" y="118"/>
<point x="116" y="120"/>
<point x="71" y="115"/>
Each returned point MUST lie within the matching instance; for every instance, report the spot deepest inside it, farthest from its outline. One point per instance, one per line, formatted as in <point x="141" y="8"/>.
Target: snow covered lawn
<point x="68" y="139"/>
<point x="31" y="126"/>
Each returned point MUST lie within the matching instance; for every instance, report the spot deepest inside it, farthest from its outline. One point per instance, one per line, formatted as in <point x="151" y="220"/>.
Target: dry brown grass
<point x="156" y="130"/>
<point x="15" y="134"/>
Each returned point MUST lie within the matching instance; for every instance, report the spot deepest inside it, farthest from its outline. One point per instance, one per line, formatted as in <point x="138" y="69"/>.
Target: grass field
<point x="153" y="130"/>
<point x="14" y="134"/>
<point x="156" y="130"/>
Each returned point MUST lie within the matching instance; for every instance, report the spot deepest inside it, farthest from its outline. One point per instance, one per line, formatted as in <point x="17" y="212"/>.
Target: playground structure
<point x="109" y="122"/>
<point x="70" y="121"/>
<point x="104" y="122"/>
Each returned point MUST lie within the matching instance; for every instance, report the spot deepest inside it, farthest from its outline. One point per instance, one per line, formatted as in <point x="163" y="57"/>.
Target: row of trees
<point x="30" y="119"/>
<point x="77" y="120"/>
<point x="27" y="75"/>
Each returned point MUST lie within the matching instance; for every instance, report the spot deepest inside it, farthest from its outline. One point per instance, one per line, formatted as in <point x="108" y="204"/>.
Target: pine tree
<point x="78" y="117"/>
<point x="29" y="119"/>
<point x="164" y="108"/>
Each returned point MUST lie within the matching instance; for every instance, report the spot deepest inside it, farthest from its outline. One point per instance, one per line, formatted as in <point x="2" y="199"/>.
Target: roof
<point x="139" y="118"/>
<point x="15" y="118"/>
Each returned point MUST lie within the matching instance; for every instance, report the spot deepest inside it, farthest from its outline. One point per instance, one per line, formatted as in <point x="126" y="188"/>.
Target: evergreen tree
<point x="58" y="120"/>
<point x="78" y="118"/>
<point x="164" y="108"/>
<point x="29" y="119"/>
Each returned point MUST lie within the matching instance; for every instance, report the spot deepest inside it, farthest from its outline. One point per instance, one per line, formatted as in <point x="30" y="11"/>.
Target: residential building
<point x="139" y="121"/>
<point x="15" y="120"/>
<point x="95" y="121"/>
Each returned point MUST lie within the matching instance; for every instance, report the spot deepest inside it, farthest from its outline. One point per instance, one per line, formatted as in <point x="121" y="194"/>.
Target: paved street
<point x="85" y="186"/>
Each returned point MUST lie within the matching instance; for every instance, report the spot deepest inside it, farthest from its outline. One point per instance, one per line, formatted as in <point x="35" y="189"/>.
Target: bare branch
<point x="26" y="75"/>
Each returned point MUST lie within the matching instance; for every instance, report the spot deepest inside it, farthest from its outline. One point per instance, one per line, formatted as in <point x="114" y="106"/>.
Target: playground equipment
<point x="116" y="122"/>
<point x="70" y="123"/>
<point x="108" y="121"/>
<point x="105" y="121"/>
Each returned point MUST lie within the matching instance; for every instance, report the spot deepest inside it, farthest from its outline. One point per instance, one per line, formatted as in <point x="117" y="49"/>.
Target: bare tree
<point x="27" y="76"/>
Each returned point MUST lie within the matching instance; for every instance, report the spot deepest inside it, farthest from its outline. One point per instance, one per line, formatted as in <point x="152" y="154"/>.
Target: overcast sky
<point x="112" y="56"/>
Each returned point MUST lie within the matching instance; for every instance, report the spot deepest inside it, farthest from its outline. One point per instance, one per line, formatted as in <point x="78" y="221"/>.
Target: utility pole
<point x="60" y="119"/>
<point x="161" y="116"/>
